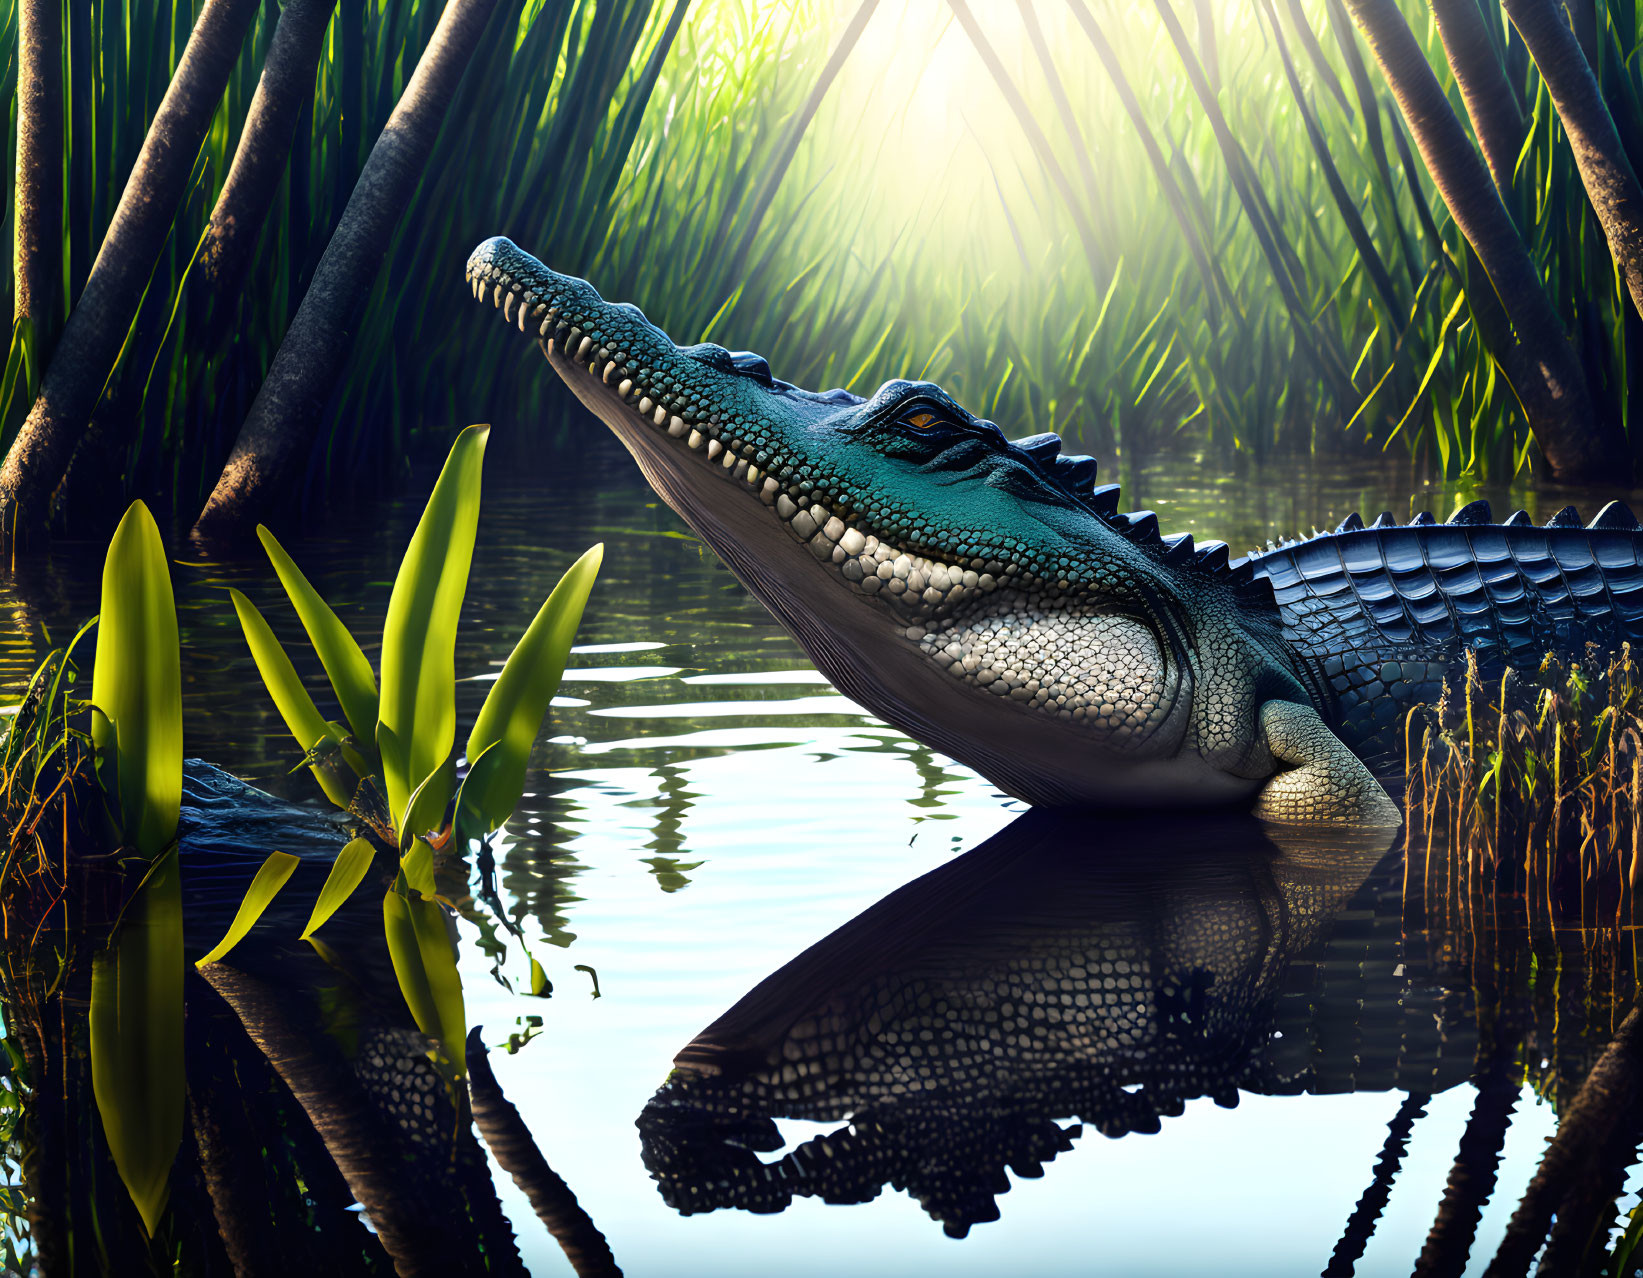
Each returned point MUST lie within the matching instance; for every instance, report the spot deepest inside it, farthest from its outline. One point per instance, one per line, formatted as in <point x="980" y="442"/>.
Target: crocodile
<point x="1059" y="970"/>
<point x="988" y="597"/>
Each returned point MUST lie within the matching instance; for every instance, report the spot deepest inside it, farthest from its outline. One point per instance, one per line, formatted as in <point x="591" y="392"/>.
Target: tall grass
<point x="1530" y="787"/>
<point x="908" y="229"/>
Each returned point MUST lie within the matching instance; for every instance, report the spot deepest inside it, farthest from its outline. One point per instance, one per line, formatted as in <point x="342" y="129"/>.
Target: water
<point x="705" y="807"/>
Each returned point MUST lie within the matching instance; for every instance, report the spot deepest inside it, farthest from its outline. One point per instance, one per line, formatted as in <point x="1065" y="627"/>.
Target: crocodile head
<point x="980" y="594"/>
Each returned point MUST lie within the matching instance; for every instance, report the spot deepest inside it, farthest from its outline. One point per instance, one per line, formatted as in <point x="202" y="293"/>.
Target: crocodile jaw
<point x="879" y="645"/>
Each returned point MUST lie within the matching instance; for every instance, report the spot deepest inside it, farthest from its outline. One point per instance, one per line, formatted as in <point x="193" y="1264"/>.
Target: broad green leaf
<point x="418" y="701"/>
<point x="349" y="744"/>
<point x="541" y="987"/>
<point x="137" y="684"/>
<point x="271" y="876"/>
<point x="469" y="820"/>
<point x="136" y="1028"/>
<point x="350" y="867"/>
<point x="291" y="699"/>
<point x="345" y="665"/>
<point x="417" y="866"/>
<point x="426" y="809"/>
<point x="425" y="966"/>
<point x="513" y="712"/>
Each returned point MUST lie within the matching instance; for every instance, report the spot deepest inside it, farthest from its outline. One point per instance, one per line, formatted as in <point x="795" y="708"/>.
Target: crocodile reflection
<point x="1046" y="975"/>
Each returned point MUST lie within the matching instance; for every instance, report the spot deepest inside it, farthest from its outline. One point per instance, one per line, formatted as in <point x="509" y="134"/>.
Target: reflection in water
<point x="680" y="850"/>
<point x="319" y="1135"/>
<point x="1105" y="970"/>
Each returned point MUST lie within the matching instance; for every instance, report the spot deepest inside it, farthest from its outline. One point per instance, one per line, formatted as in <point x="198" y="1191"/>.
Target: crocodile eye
<point x="921" y="421"/>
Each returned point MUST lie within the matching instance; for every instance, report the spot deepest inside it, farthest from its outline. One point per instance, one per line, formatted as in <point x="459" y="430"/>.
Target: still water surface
<point x="707" y="807"/>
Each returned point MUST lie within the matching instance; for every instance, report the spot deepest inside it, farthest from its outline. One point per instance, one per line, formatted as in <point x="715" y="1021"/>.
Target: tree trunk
<point x="328" y="1092"/>
<point x="1597" y="1130"/>
<point x="287" y="83"/>
<point x="1482" y="80"/>
<point x="1611" y="185"/>
<point x="516" y="1153"/>
<point x="1540" y="364"/>
<point x="1471" y="1179"/>
<point x="1360" y="1225"/>
<point x="91" y="339"/>
<point x="38" y="229"/>
<point x="278" y="434"/>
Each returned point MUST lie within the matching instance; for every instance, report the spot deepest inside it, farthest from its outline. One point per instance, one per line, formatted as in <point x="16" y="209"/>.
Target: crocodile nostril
<point x="755" y="366"/>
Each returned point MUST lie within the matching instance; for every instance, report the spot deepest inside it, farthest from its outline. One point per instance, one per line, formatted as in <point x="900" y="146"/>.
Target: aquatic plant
<point x="394" y="763"/>
<point x="1531" y="786"/>
<point x="136" y="1018"/>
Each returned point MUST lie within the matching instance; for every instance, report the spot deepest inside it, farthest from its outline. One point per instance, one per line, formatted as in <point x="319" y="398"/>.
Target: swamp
<point x="437" y="843"/>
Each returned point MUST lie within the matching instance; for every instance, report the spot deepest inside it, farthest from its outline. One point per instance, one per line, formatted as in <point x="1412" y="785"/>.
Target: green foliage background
<point x="916" y="231"/>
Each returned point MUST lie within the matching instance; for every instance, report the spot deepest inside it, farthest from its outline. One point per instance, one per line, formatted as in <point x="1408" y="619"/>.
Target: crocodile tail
<point x="1381" y="614"/>
<point x="1511" y="589"/>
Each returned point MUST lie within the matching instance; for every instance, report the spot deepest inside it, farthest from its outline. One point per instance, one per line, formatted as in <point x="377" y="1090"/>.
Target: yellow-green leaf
<point x="137" y="684"/>
<point x="291" y="699"/>
<point x="418" y="702"/>
<point x="513" y="712"/>
<point x="425" y="966"/>
<point x="426" y="808"/>
<point x="417" y="866"/>
<point x="350" y="867"/>
<point x="270" y="877"/>
<point x="136" y="1025"/>
<point x="345" y="665"/>
<point x="469" y="821"/>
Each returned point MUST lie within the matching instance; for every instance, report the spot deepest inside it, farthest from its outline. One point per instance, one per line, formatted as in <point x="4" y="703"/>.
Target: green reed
<point x="657" y="149"/>
<point x="1530" y="787"/>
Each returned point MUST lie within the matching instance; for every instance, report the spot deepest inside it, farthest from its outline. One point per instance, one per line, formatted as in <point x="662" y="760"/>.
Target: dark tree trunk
<point x="1474" y="59"/>
<point x="38" y="229"/>
<point x="91" y="339"/>
<point x="329" y="1094"/>
<point x="1611" y="185"/>
<point x="1597" y="1131"/>
<point x="516" y="1153"/>
<point x="1540" y="364"/>
<point x="287" y="84"/>
<point x="278" y="434"/>
<point x="1360" y="1225"/>
<point x="1471" y="1179"/>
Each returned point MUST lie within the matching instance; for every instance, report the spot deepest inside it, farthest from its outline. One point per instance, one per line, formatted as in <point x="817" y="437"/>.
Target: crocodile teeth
<point x="695" y="440"/>
<point x="646" y="404"/>
<point x="660" y="416"/>
<point x="496" y="296"/>
<point x="676" y="427"/>
<point x="584" y="348"/>
<point x="714" y="448"/>
<point x="507" y="308"/>
<point x="626" y="388"/>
